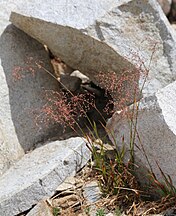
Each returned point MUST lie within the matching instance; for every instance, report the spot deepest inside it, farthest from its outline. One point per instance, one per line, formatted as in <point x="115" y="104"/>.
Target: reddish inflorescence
<point x="63" y="108"/>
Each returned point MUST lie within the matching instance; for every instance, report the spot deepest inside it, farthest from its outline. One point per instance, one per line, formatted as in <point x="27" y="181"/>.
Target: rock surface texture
<point x="110" y="36"/>
<point x="156" y="129"/>
<point x="37" y="175"/>
<point x="22" y="86"/>
<point x="27" y="85"/>
<point x="10" y="149"/>
<point x="41" y="209"/>
<point x="91" y="192"/>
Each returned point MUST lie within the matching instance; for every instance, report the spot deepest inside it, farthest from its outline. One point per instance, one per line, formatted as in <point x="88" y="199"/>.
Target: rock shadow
<point x="27" y="84"/>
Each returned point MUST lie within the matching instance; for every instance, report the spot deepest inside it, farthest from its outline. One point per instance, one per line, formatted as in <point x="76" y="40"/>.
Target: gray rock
<point x="22" y="90"/>
<point x="110" y="36"/>
<point x="91" y="192"/>
<point x="156" y="130"/>
<point x="27" y="95"/>
<point x="10" y="149"/>
<point x="37" y="175"/>
<point x="70" y="83"/>
<point x="22" y="93"/>
<point x="41" y="209"/>
<point x="70" y="39"/>
<point x="68" y="184"/>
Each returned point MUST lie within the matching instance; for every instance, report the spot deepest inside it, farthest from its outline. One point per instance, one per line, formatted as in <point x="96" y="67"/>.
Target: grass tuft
<point x="116" y="178"/>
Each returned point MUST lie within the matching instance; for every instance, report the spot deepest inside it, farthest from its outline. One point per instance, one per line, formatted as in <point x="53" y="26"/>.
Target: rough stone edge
<point x="79" y="62"/>
<point x="78" y="158"/>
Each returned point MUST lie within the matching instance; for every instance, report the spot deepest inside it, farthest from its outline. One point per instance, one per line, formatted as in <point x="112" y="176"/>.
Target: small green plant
<point x="166" y="188"/>
<point x="115" y="177"/>
<point x="87" y="211"/>
<point x="100" y="212"/>
<point x="56" y="211"/>
<point x="117" y="212"/>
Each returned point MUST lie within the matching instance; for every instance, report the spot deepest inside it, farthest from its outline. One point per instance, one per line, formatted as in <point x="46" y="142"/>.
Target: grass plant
<point x="115" y="177"/>
<point x="100" y="212"/>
